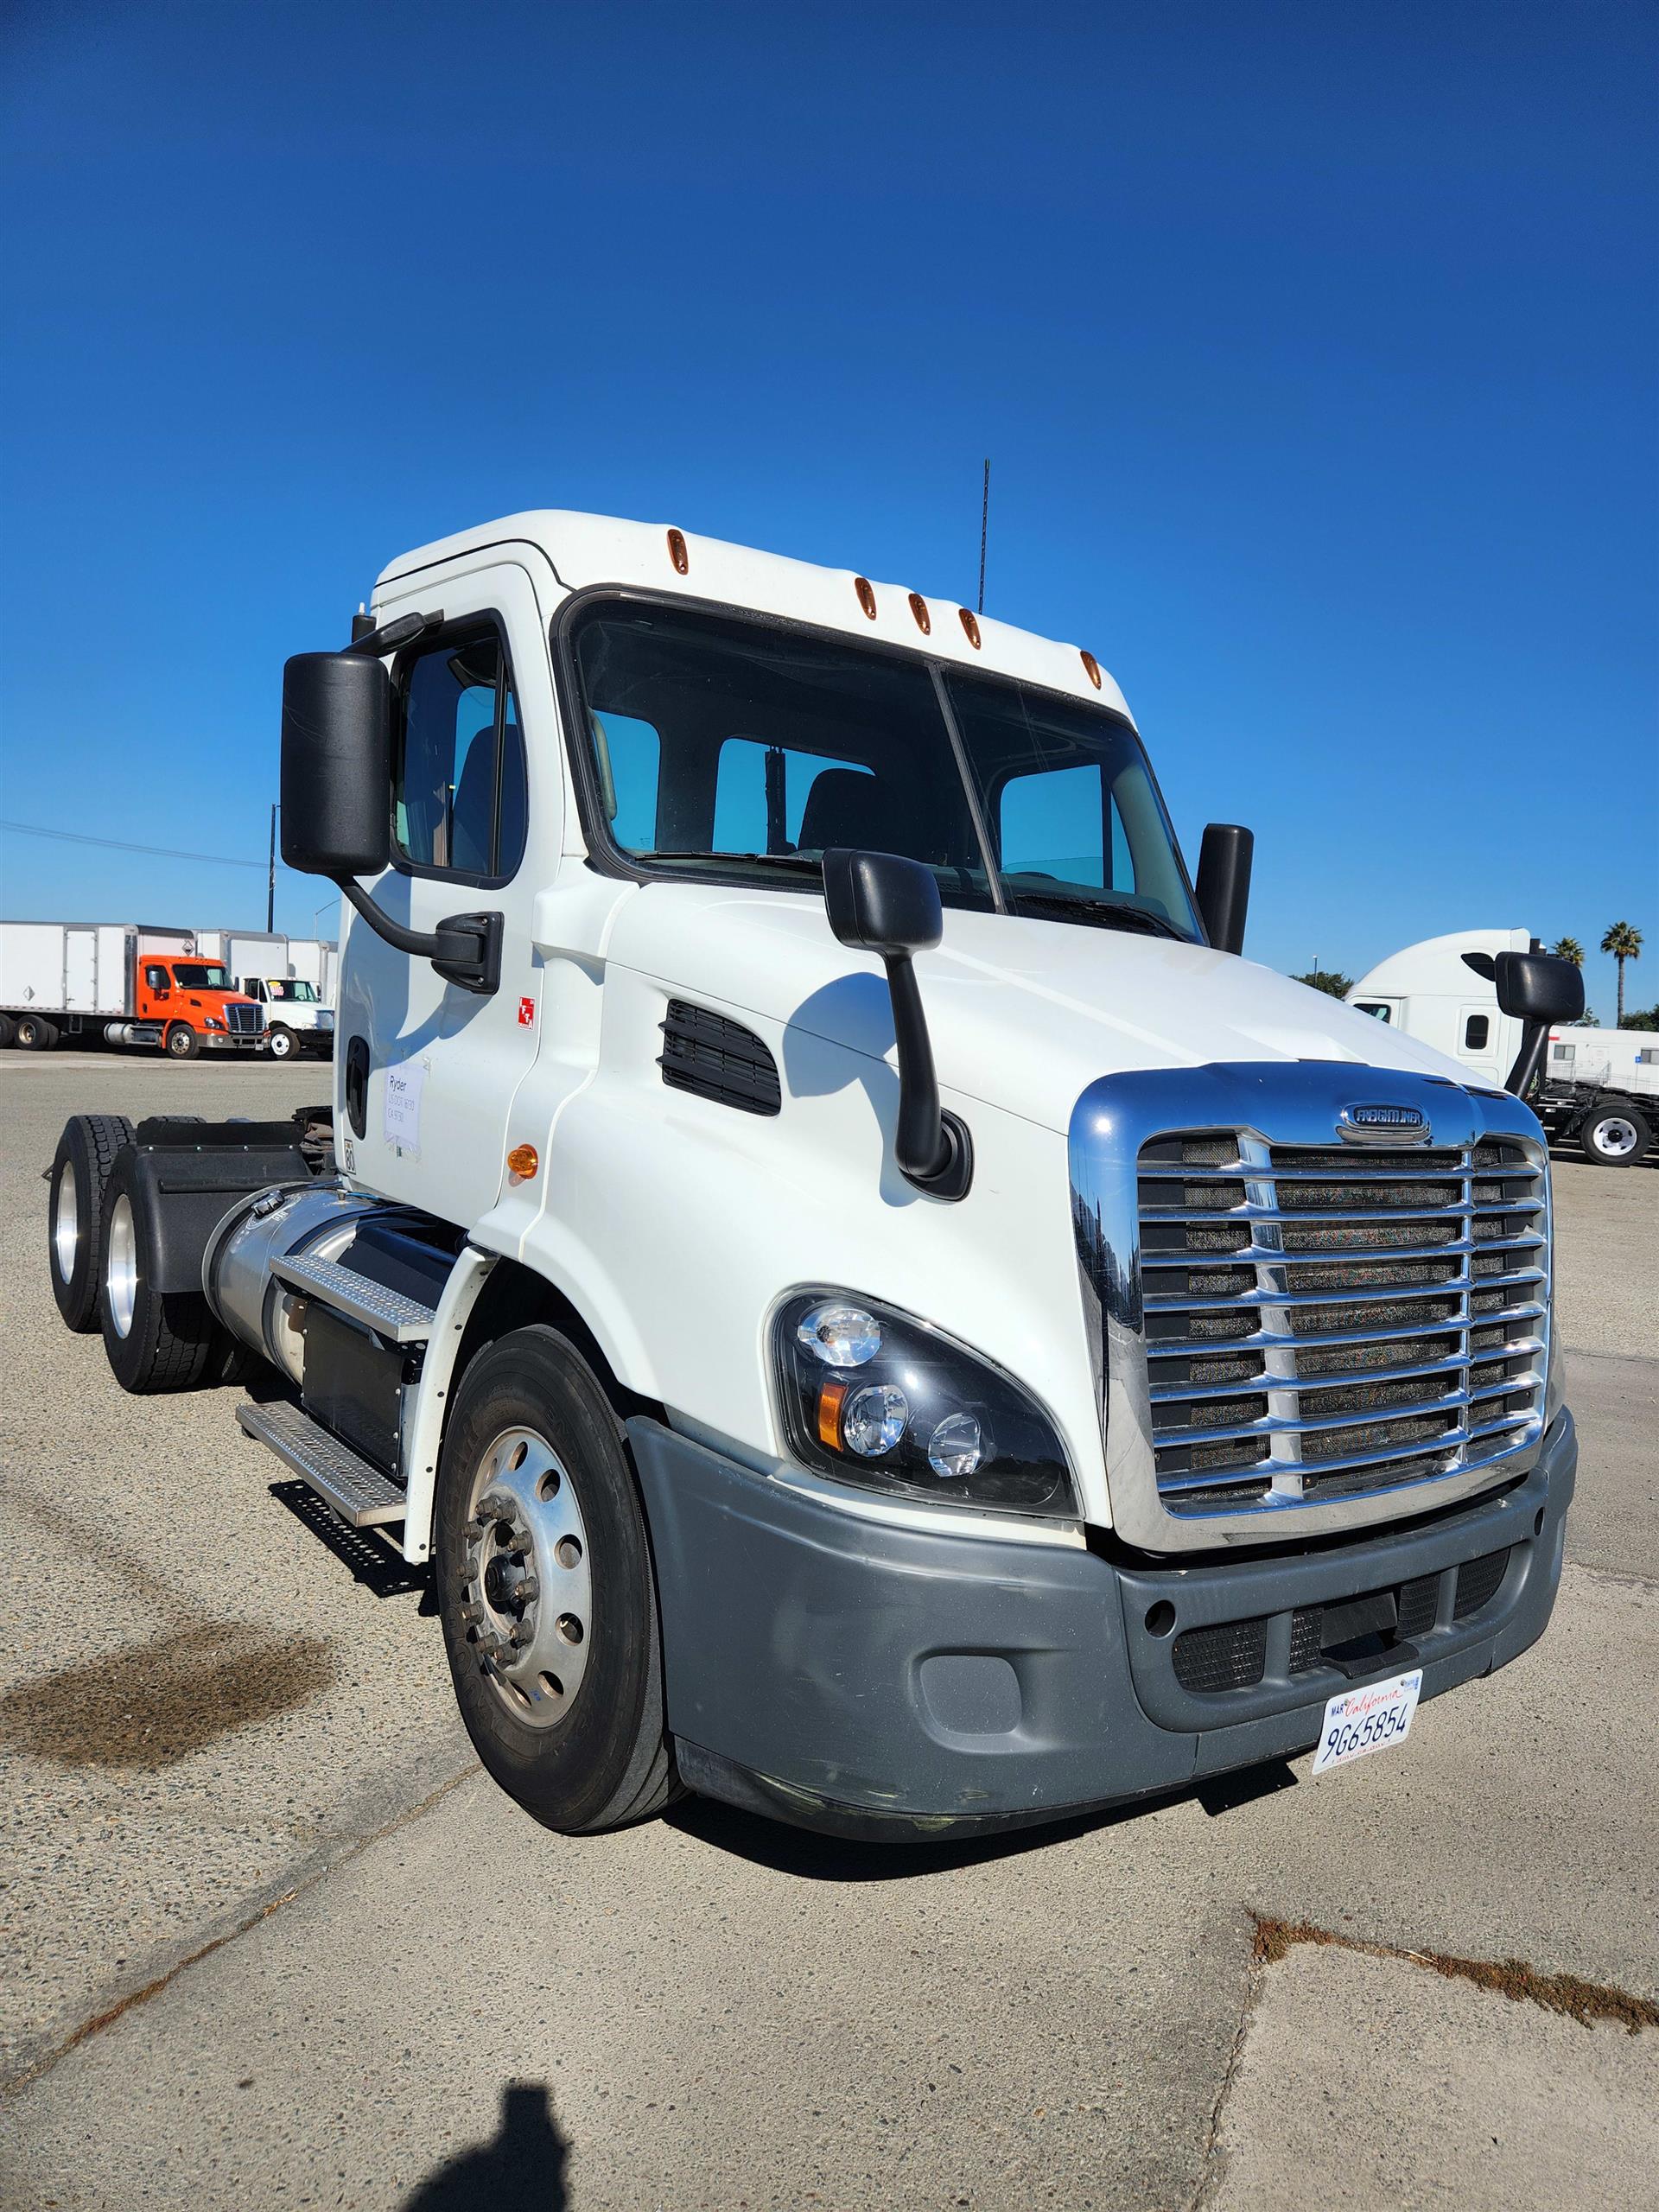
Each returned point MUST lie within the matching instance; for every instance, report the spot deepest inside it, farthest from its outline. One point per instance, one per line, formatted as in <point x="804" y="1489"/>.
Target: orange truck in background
<point x="195" y="1004"/>
<point x="128" y="984"/>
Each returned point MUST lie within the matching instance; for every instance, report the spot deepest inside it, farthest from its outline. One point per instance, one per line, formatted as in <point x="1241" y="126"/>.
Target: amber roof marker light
<point x="866" y="591"/>
<point x="1090" y="669"/>
<point x="970" y="626"/>
<point x="924" y="619"/>
<point x="677" y="552"/>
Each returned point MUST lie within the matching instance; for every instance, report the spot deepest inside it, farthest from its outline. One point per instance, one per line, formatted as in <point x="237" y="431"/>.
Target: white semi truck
<point x="287" y="977"/>
<point x="1596" y="1088"/>
<point x="871" y="1308"/>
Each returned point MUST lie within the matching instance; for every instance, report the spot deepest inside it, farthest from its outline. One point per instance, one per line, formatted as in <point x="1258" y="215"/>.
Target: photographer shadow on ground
<point x="520" y="2170"/>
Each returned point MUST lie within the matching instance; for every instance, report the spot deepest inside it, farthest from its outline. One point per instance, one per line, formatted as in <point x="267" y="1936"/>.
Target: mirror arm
<point x="465" y="949"/>
<point x="1527" y="1061"/>
<point x="932" y="1148"/>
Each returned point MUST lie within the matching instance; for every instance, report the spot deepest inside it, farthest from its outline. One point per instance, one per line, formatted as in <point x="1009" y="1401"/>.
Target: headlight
<point x="214" y="1022"/>
<point x="872" y="1396"/>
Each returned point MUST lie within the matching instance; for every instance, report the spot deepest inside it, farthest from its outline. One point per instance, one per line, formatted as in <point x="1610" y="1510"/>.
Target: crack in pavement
<point x="98" y="2021"/>
<point x="1585" y="2002"/>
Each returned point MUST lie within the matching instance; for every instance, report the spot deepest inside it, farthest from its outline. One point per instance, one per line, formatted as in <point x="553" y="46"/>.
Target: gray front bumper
<point x="849" y="1675"/>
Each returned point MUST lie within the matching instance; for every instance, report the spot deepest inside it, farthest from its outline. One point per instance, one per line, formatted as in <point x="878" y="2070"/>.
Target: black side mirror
<point x="336" y="785"/>
<point x="1224" y="885"/>
<point x="880" y="903"/>
<point x="1536" y="989"/>
<point x="336" y="797"/>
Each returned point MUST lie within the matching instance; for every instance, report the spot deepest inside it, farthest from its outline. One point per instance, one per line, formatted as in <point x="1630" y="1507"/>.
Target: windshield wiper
<point x="1106" y="912"/>
<point x="772" y="860"/>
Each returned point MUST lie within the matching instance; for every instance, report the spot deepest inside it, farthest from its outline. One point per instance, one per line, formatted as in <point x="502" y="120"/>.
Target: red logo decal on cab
<point x="526" y="1012"/>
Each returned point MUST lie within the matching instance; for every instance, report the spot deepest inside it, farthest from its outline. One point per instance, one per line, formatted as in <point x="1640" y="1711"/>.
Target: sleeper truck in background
<point x="125" y="983"/>
<point x="870" y="1307"/>
<point x="1598" y="1089"/>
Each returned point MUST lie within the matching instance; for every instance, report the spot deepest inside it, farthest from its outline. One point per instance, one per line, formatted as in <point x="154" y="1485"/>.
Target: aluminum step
<point x="359" y="1492"/>
<point x="389" y="1313"/>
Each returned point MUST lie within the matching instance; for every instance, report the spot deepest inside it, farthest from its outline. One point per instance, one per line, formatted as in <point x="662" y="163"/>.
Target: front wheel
<point x="545" y="1588"/>
<point x="1614" y="1136"/>
<point x="182" y="1042"/>
<point x="282" y="1043"/>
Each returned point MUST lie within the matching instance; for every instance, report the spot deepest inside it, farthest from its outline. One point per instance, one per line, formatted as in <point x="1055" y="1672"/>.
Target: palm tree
<point x="1568" y="948"/>
<point x="1624" y="944"/>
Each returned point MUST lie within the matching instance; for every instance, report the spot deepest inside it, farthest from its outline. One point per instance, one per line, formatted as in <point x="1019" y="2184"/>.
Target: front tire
<point x="78" y="1213"/>
<point x="182" y="1042"/>
<point x="1615" y="1136"/>
<point x="281" y="1043"/>
<point x="156" y="1341"/>
<point x="546" y="1592"/>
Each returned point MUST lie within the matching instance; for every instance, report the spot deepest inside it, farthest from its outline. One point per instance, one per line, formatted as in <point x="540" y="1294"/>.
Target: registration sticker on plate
<point x="1371" y="1719"/>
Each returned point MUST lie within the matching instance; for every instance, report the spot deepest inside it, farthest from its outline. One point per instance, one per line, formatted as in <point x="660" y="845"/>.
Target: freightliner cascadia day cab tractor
<point x="872" y="1308"/>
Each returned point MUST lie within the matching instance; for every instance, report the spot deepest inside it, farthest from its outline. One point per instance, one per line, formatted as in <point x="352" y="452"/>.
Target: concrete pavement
<point x="457" y="2008"/>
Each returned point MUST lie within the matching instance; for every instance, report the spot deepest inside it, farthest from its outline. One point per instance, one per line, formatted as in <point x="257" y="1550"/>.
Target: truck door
<point x="1478" y="1041"/>
<point x="476" y="823"/>
<point x="80" y="970"/>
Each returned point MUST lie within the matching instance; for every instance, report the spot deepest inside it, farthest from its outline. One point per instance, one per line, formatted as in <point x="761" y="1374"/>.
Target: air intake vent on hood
<point x="704" y="1052"/>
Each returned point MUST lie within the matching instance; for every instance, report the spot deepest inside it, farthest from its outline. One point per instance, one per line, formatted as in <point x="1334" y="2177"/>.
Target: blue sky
<point x="1313" y="347"/>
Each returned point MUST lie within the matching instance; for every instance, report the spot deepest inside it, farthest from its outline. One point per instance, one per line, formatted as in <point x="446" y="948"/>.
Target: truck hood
<point x="1023" y="1014"/>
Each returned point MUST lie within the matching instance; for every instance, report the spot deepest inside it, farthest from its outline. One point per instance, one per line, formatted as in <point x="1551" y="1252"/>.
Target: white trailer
<point x="1599" y="1088"/>
<point x="67" y="979"/>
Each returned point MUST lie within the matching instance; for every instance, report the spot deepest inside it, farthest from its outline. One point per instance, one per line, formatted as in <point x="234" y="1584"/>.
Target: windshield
<point x="200" y="975"/>
<point x="295" y="993"/>
<point x="750" y="748"/>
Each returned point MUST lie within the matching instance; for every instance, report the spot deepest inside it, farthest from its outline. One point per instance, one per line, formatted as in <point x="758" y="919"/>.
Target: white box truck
<point x="869" y="1307"/>
<point x="1596" y="1088"/>
<point x="124" y="983"/>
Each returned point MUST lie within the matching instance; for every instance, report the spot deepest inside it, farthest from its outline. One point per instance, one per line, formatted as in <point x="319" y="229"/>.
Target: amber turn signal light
<point x="829" y="1415"/>
<point x="523" y="1161"/>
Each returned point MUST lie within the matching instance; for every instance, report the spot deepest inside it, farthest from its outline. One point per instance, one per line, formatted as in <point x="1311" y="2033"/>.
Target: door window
<point x="459" y="801"/>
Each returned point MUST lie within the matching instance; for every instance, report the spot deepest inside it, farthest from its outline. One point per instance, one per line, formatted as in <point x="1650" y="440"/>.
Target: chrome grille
<point x="1296" y="1315"/>
<point x="244" y="1017"/>
<point x="1323" y="1322"/>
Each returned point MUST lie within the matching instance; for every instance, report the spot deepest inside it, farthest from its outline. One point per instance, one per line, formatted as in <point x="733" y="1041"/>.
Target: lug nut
<point x="527" y="1592"/>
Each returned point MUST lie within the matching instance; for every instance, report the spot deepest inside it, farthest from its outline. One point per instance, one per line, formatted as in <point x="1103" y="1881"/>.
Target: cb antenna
<point x="984" y="526"/>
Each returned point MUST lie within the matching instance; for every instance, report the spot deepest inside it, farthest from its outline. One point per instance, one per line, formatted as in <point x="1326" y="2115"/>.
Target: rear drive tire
<point x="156" y="1341"/>
<point x="1614" y="1136"/>
<point x="181" y="1042"/>
<point x="35" y="1033"/>
<point x="561" y="1693"/>
<point x="8" y="1030"/>
<point x="281" y="1044"/>
<point x="76" y="1213"/>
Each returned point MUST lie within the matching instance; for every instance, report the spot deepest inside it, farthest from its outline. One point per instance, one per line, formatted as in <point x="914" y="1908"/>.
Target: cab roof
<point x="585" y="550"/>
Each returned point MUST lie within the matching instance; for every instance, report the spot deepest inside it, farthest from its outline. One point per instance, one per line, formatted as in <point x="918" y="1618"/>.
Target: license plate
<point x="1358" y="1722"/>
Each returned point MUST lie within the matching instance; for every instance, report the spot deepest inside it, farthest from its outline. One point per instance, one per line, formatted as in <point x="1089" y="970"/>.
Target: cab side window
<point x="459" y="794"/>
<point x="1475" y="1030"/>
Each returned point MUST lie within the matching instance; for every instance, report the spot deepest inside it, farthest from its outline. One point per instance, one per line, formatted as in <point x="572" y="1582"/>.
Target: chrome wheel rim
<point x="65" y="1222"/>
<point x="121" y="1268"/>
<point x="526" y="1582"/>
<point x="1616" y="1136"/>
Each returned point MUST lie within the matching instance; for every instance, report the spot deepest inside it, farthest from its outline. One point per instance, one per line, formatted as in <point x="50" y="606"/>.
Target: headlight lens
<point x="872" y="1396"/>
<point x="213" y="1021"/>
